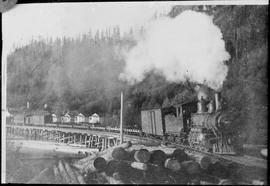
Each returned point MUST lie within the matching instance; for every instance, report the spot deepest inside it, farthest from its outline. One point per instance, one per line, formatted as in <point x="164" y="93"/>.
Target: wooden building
<point x="54" y="118"/>
<point x="66" y="118"/>
<point x="94" y="118"/>
<point x="80" y="118"/>
<point x="39" y="117"/>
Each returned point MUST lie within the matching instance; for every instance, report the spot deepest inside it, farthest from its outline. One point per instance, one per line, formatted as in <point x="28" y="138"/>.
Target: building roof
<point x="73" y="113"/>
<point x="16" y="110"/>
<point x="80" y="114"/>
<point x="95" y="115"/>
<point x="37" y="112"/>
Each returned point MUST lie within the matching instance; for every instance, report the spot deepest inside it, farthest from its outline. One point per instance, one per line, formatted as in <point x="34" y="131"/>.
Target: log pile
<point x="61" y="173"/>
<point x="123" y="165"/>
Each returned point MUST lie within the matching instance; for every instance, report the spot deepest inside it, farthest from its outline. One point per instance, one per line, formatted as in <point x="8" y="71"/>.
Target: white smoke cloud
<point x="189" y="45"/>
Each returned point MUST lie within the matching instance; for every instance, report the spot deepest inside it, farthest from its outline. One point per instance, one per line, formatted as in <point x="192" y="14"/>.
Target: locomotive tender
<point x="199" y="124"/>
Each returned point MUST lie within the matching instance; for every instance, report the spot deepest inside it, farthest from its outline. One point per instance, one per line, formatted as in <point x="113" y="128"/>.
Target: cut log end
<point x="139" y="166"/>
<point x="191" y="167"/>
<point x="100" y="163"/>
<point x="158" y="157"/>
<point x="119" y="153"/>
<point x="172" y="164"/>
<point x="142" y="155"/>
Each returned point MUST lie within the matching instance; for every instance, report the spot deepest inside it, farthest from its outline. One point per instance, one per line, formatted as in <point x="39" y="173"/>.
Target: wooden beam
<point x="121" y="119"/>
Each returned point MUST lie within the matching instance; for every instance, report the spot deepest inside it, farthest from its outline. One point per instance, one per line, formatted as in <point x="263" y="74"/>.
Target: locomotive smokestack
<point x="217" y="101"/>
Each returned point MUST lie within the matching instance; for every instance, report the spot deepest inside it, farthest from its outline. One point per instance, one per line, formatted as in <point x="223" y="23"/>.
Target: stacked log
<point x="42" y="177"/>
<point x="57" y="175"/>
<point x="142" y="155"/>
<point x="121" y="165"/>
<point x="218" y="169"/>
<point x="180" y="155"/>
<point x="158" y="157"/>
<point x="192" y="168"/>
<point x="64" y="173"/>
<point x="204" y="161"/>
<point x="119" y="153"/>
<point x="172" y="164"/>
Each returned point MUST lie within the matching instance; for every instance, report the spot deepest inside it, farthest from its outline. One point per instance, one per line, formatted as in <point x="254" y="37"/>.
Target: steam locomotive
<point x="200" y="124"/>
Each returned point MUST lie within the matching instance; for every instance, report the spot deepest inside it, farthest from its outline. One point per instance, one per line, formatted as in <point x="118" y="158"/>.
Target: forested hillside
<point x="82" y="74"/>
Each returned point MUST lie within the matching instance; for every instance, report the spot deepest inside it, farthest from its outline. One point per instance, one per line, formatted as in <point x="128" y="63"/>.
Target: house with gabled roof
<point x="80" y="118"/>
<point x="66" y="118"/>
<point x="95" y="118"/>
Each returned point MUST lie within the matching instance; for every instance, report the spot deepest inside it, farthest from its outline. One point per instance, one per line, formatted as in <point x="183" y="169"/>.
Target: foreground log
<point x="218" y="170"/>
<point x="131" y="155"/>
<point x="179" y="177"/>
<point x="142" y="155"/>
<point x="130" y="172"/>
<point x="192" y="168"/>
<point x="63" y="172"/>
<point x="42" y="177"/>
<point x="100" y="163"/>
<point x="172" y="164"/>
<point x="57" y="175"/>
<point x="180" y="155"/>
<point x="111" y="180"/>
<point x="233" y="169"/>
<point x="88" y="158"/>
<point x="204" y="161"/>
<point x="139" y="166"/>
<point x="194" y="180"/>
<point x="119" y="154"/>
<point x="111" y="167"/>
<point x="71" y="173"/>
<point x="158" y="157"/>
<point x="225" y="182"/>
<point x="80" y="178"/>
<point x="137" y="176"/>
<point x="107" y="155"/>
<point x="86" y="164"/>
<point x="95" y="164"/>
<point x="157" y="174"/>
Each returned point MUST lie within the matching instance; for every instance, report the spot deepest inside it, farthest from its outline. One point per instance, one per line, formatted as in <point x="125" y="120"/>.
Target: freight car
<point x="193" y="124"/>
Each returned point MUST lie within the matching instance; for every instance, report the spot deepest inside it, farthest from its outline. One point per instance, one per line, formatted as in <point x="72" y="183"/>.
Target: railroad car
<point x="167" y="121"/>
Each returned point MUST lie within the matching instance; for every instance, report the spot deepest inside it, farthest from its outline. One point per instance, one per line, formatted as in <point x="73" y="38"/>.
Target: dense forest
<point x="82" y="74"/>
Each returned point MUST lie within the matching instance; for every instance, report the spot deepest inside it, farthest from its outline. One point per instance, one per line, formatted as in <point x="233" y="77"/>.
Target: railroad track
<point x="242" y="160"/>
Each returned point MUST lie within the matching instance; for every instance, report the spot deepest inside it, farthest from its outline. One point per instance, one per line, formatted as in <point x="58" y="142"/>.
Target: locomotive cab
<point x="177" y="121"/>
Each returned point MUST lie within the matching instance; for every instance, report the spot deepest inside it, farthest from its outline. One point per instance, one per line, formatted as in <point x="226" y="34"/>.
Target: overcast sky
<point x="28" y="21"/>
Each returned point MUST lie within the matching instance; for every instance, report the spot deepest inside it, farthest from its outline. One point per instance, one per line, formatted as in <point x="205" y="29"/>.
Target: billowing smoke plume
<point x="187" y="46"/>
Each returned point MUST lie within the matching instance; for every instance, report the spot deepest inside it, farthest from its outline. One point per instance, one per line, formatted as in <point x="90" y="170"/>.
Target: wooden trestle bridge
<point x="85" y="138"/>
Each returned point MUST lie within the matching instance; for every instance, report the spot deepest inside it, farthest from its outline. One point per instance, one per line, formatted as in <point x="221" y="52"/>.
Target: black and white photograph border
<point x="153" y="92"/>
